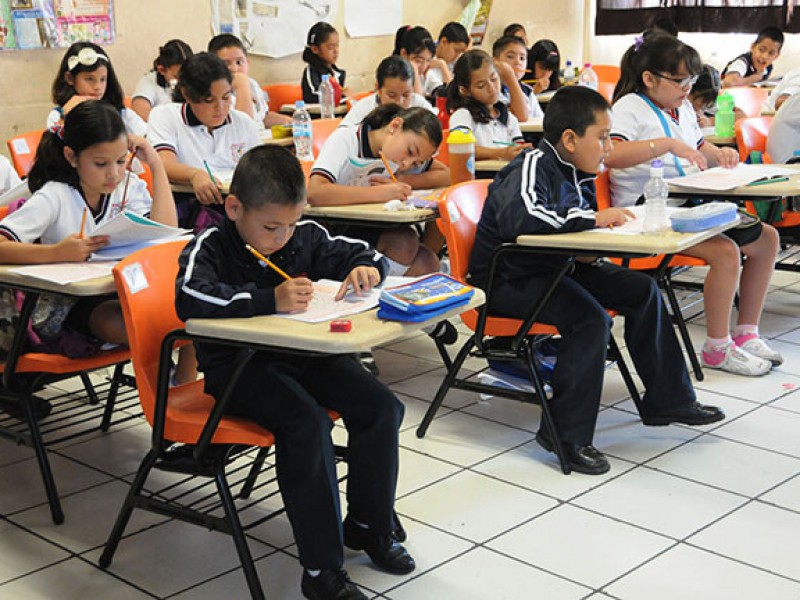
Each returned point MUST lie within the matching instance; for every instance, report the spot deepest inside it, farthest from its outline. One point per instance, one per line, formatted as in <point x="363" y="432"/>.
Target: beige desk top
<point x="489" y="166"/>
<point x="769" y="190"/>
<point x="89" y="287"/>
<point x="532" y="126"/>
<point x="721" y="140"/>
<point x="368" y="330"/>
<point x="545" y="97"/>
<point x="315" y="109"/>
<point x="369" y="212"/>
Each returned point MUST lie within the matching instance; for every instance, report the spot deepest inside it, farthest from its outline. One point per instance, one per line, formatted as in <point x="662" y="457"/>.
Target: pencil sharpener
<point x="341" y="325"/>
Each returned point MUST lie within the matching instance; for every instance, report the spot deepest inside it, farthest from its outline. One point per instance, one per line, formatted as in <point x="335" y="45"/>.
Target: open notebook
<point x="129" y="232"/>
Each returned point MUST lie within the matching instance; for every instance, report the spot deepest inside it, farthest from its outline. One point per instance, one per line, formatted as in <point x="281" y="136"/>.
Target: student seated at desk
<point x="202" y="133"/>
<point x="350" y="170"/>
<point x="288" y="394"/>
<point x="788" y="86"/>
<point x="544" y="66"/>
<point x="653" y="119"/>
<point x="548" y="191"/>
<point x="473" y="97"/>
<point x="755" y="65"/>
<point x="783" y="141"/>
<point x="415" y="44"/>
<point x="321" y="53"/>
<point x="453" y="42"/>
<point x="510" y="51"/>
<point x="156" y="87"/>
<point x="704" y="97"/>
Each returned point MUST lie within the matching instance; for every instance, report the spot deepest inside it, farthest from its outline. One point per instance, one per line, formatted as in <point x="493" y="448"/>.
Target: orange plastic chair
<point x="443" y="155"/>
<point x="607" y="73"/>
<point x="283" y="93"/>
<point x="321" y="130"/>
<point x="127" y="101"/>
<point x="751" y="134"/>
<point x="606" y="89"/>
<point x="749" y="99"/>
<point x="460" y="208"/>
<point x="353" y="98"/>
<point x="22" y="149"/>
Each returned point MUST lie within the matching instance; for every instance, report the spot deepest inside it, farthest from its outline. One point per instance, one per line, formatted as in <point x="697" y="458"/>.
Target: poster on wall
<point x="273" y="28"/>
<point x="28" y="24"/>
<point x="475" y="18"/>
<point x="364" y="18"/>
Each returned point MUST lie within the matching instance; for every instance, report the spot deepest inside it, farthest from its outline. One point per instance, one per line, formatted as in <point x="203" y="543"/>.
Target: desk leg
<point x="665" y="282"/>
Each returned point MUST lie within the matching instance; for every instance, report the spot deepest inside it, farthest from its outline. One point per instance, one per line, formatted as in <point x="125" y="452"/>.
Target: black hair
<point x="318" y="34"/>
<point x="225" y="40"/>
<point x="394" y="67"/>
<point x="573" y="107"/>
<point x="89" y="123"/>
<point x="657" y="53"/>
<point x="547" y="54"/>
<point x="506" y="40"/>
<point x="62" y="91"/>
<point x="413" y="40"/>
<point x="268" y="174"/>
<point x="454" y="32"/>
<point x="174" y="52"/>
<point x="772" y="33"/>
<point x="470" y="61"/>
<point x="417" y="119"/>
<point x="707" y="85"/>
<point x="665" y="25"/>
<point x="197" y="75"/>
<point x="513" y="29"/>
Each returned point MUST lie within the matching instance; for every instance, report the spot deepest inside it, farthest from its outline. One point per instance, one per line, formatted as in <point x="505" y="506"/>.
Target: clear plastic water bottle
<point x="588" y="78"/>
<point x="569" y="73"/>
<point x="655" y="200"/>
<point x="327" y="98"/>
<point x="301" y="132"/>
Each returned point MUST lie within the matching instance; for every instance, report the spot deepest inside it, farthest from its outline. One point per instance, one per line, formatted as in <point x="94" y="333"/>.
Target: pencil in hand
<point x="268" y="262"/>
<point x="83" y="223"/>
<point x="214" y="180"/>
<point x="388" y="168"/>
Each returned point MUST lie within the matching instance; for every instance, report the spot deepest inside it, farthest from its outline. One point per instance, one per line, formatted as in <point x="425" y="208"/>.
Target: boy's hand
<point x="509" y="152"/>
<point x="505" y="72"/>
<point x="205" y="190"/>
<point x="361" y="279"/>
<point x="294" y="295"/>
<point x="140" y="147"/>
<point x="727" y="157"/>
<point x="74" y="249"/>
<point x="612" y="217"/>
<point x="693" y="155"/>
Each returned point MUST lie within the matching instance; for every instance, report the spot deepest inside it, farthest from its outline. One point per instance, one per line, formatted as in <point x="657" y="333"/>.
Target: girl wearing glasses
<point x="654" y="119"/>
<point x="86" y="73"/>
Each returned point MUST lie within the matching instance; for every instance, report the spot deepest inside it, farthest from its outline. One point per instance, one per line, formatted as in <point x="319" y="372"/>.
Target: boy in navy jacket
<point x="289" y="394"/>
<point x="551" y="190"/>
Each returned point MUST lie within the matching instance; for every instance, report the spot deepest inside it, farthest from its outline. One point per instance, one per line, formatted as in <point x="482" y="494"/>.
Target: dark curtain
<point x="722" y="16"/>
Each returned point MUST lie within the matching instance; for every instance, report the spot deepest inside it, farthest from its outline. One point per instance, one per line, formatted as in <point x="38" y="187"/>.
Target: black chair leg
<point x="89" y="387"/>
<point x="255" y="469"/>
<point x="626" y="374"/>
<point x="111" y="399"/>
<point x="666" y="285"/>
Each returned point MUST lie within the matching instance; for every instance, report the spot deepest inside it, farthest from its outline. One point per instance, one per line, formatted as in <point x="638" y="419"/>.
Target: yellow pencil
<point x="386" y="164"/>
<point x="83" y="223"/>
<point x="268" y="262"/>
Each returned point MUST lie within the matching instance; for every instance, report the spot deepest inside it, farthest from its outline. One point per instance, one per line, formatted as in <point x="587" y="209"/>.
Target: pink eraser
<point x="341" y="325"/>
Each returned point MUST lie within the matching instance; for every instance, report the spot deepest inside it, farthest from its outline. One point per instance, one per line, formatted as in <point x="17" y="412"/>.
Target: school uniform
<point x="784" y="134"/>
<point x="539" y="193"/>
<point x="789" y="85"/>
<point x="260" y="102"/>
<point x="504" y="128"/>
<point x="8" y="175"/>
<point x="432" y="79"/>
<point x="534" y="110"/>
<point x="743" y="65"/>
<point x="312" y="77"/>
<point x="288" y="393"/>
<point x="149" y="89"/>
<point x="366" y="105"/>
<point x="133" y="122"/>
<point x="633" y="118"/>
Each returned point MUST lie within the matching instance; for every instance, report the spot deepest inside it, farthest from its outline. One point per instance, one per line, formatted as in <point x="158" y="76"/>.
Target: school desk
<point x="545" y="97"/>
<point x="487" y="169"/>
<point x="315" y="110"/>
<point x="369" y="214"/>
<point x="532" y="126"/>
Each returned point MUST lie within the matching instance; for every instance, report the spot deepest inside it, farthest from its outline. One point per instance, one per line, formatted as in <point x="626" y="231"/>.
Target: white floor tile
<point x="686" y="572"/>
<point x="508" y="412"/>
<point x="768" y="428"/>
<point x="24" y="553"/>
<point x="415" y="411"/>
<point x="786" y="495"/>
<point x="418" y="471"/>
<point x="757" y="389"/>
<point x="119" y="452"/>
<point x="789" y="402"/>
<point x="425" y="386"/>
<point x="557" y="542"/>
<point x="394" y="367"/>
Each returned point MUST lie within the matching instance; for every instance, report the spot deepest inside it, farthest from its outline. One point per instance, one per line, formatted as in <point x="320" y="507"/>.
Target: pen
<point x="388" y="168"/>
<point x="767" y="180"/>
<point x="83" y="223"/>
<point x="214" y="180"/>
<point x="268" y="262"/>
<point x="128" y="172"/>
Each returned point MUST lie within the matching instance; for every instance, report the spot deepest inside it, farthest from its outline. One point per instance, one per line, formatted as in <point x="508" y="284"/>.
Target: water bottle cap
<point x="299" y="104"/>
<point x="460" y="136"/>
<point x="326" y="77"/>
<point x="569" y="63"/>
<point x="587" y="65"/>
<point x="657" y="164"/>
<point x="725" y="102"/>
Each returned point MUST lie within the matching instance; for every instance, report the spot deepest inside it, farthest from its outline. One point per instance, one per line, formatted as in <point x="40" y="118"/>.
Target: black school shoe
<point x="384" y="550"/>
<point x="330" y="585"/>
<point x="691" y="414"/>
<point x="14" y="408"/>
<point x="582" y="459"/>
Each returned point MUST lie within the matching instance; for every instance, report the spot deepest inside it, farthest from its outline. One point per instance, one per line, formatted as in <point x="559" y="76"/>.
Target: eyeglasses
<point x="684" y="83"/>
<point x="86" y="57"/>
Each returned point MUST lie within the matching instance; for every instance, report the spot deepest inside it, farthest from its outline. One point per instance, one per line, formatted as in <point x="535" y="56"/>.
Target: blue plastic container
<point x="705" y="216"/>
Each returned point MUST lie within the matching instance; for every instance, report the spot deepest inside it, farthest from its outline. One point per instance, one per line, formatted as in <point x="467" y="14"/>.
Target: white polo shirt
<point x="534" y="110"/>
<point x="148" y="88"/>
<point x="496" y="133"/>
<point x="784" y="134"/>
<point x="432" y="79"/>
<point x="175" y="127"/>
<point x="260" y="102"/>
<point x="633" y="119"/>
<point x="8" y="175"/>
<point x="56" y="211"/>
<point x="366" y="105"/>
<point x="133" y="122"/>
<point x="788" y="86"/>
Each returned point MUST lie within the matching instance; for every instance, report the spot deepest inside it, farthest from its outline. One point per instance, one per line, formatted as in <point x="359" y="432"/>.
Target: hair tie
<point x="552" y="53"/>
<point x="637" y="42"/>
<point x="58" y="129"/>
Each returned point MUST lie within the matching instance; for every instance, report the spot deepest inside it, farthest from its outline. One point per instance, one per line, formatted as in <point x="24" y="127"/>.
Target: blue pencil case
<point x="705" y="216"/>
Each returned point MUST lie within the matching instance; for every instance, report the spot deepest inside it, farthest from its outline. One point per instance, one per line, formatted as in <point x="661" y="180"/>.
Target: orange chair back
<point x="127" y="102"/>
<point x="606" y="89"/>
<point x="22" y="149"/>
<point x="607" y="73"/>
<point x="602" y="190"/>
<point x="751" y="134"/>
<point x="146" y="286"/>
<point x="321" y="130"/>
<point x="443" y="156"/>
<point x="749" y="99"/>
<point x="283" y="93"/>
<point x="352" y="99"/>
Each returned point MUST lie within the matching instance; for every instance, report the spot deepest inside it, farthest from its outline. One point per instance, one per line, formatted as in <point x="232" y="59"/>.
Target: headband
<point x="86" y="57"/>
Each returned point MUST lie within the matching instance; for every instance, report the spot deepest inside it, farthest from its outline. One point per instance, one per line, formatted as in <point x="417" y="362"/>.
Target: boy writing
<point x="551" y="190"/>
<point x="756" y="65"/>
<point x="288" y="394"/>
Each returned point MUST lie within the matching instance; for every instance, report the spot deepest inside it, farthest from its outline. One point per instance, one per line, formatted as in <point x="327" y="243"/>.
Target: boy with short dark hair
<point x="289" y="394"/>
<point x="756" y="65"/>
<point x="510" y="50"/>
<point x="551" y="190"/>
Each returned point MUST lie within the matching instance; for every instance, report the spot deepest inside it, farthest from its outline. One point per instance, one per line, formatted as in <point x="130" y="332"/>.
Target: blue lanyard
<point x="665" y="125"/>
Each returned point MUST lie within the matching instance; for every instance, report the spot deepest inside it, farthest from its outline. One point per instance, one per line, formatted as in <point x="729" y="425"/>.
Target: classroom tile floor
<point x="685" y="513"/>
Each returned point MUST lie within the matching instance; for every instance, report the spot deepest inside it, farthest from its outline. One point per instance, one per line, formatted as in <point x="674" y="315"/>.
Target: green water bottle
<point x="723" y="122"/>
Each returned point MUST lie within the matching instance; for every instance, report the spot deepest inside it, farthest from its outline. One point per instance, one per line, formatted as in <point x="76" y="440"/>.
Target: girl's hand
<point x="727" y="157"/>
<point x="391" y="190"/>
<point x="206" y="191"/>
<point x="438" y="63"/>
<point x="693" y="155"/>
<point x="141" y="148"/>
<point x="74" y="249"/>
<point x="510" y="152"/>
<point x="294" y="295"/>
<point x="612" y="217"/>
<point x="361" y="279"/>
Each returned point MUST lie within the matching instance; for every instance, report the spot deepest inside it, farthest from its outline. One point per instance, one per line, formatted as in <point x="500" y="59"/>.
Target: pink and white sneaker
<point x="755" y="345"/>
<point x="734" y="359"/>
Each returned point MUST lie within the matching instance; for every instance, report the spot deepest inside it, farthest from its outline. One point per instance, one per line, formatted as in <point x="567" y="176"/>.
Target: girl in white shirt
<point x="474" y="99"/>
<point x="416" y="45"/>
<point x="654" y="119"/>
<point x="157" y="86"/>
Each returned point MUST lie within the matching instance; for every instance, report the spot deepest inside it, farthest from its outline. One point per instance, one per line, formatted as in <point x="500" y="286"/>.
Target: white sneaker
<point x="758" y="347"/>
<point x="736" y="360"/>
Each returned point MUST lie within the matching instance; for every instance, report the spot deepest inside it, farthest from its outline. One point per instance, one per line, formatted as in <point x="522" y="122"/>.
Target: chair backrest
<point x="603" y="190"/>
<point x="321" y="130"/>
<point x="146" y="286"/>
<point x="751" y="134"/>
<point x="22" y="149"/>
<point x="283" y="93"/>
<point x="353" y="98"/>
<point x="607" y="73"/>
<point x="460" y="208"/>
<point x="606" y="89"/>
<point x="443" y="156"/>
<point x="749" y="99"/>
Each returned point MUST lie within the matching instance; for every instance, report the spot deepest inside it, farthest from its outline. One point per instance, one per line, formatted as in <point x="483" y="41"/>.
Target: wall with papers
<point x="30" y="24"/>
